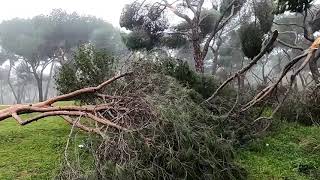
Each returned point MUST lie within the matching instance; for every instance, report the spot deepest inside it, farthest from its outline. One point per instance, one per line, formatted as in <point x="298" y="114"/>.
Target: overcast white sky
<point x="109" y="10"/>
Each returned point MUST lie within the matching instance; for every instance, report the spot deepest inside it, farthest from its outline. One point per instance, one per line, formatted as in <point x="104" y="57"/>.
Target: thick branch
<point x="82" y="91"/>
<point x="48" y="110"/>
<point x="74" y="113"/>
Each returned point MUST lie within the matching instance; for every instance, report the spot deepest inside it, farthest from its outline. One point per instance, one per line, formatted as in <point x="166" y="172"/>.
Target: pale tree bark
<point x="308" y="35"/>
<point x="47" y="109"/>
<point x="314" y="69"/>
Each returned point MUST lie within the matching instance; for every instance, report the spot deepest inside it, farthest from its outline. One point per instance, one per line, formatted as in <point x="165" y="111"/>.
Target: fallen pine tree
<point x="145" y="125"/>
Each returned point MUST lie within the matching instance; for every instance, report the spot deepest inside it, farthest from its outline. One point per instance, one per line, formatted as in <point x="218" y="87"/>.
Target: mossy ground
<point x="290" y="152"/>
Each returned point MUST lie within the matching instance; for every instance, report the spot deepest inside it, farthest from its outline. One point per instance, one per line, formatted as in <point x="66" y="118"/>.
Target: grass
<point x="32" y="151"/>
<point x="35" y="151"/>
<point x="291" y="152"/>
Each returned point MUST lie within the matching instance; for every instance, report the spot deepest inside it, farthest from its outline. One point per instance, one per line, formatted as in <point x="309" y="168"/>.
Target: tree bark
<point x="11" y="86"/>
<point x="38" y="81"/>
<point x="47" y="109"/>
<point x="1" y="92"/>
<point x="314" y="69"/>
<point x="196" y="44"/>
<point x="39" y="84"/>
<point x="49" y="81"/>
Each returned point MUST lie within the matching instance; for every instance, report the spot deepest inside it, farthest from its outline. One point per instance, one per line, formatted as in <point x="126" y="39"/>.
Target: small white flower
<point x="267" y="144"/>
<point x="80" y="145"/>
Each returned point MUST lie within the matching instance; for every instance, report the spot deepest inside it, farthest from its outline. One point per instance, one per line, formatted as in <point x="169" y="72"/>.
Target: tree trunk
<point x="215" y="56"/>
<point x="215" y="61"/>
<point x="39" y="83"/>
<point x="198" y="62"/>
<point x="49" y="81"/>
<point x="1" y="93"/>
<point x="197" y="53"/>
<point x="40" y="90"/>
<point x="303" y="83"/>
<point x="11" y="86"/>
<point x="214" y="64"/>
<point x="314" y="70"/>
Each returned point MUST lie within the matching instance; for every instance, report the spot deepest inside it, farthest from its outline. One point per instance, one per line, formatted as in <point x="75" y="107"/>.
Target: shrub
<point x="88" y="67"/>
<point x="302" y="107"/>
<point x="180" y="70"/>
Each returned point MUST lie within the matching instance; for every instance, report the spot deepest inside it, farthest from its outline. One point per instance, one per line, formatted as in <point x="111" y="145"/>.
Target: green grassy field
<point x="32" y="151"/>
<point x="292" y="152"/>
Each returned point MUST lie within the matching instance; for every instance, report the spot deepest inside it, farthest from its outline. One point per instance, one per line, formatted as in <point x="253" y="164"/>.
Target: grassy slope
<point x="283" y="154"/>
<point x="32" y="151"/>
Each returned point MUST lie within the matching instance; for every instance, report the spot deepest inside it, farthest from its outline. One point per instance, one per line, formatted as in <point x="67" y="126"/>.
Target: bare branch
<point x="246" y="68"/>
<point x="191" y="7"/>
<point x="288" y="24"/>
<point x="268" y="90"/>
<point x="176" y="12"/>
<point x="289" y="45"/>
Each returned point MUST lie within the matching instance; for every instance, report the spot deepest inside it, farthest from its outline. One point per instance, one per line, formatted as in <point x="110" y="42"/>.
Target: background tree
<point x="88" y="67"/>
<point x="200" y="28"/>
<point x="146" y="23"/>
<point x="46" y="40"/>
<point x="292" y="5"/>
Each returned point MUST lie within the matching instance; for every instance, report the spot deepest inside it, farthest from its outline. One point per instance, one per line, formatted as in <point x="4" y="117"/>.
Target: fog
<point x="23" y="80"/>
<point x="105" y="9"/>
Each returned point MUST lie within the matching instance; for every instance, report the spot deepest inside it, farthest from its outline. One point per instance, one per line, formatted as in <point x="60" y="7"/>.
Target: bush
<point x="89" y="67"/>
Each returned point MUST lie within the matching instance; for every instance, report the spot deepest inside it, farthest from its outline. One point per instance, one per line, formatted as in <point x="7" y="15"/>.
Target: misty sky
<point x="109" y="10"/>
